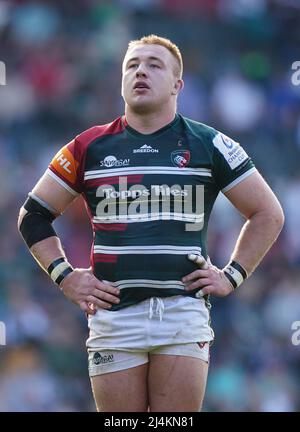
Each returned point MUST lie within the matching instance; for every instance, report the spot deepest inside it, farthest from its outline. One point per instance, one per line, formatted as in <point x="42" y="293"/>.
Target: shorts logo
<point x="201" y="344"/>
<point x="146" y="149"/>
<point x="102" y="359"/>
<point x="180" y="158"/>
<point x="112" y="161"/>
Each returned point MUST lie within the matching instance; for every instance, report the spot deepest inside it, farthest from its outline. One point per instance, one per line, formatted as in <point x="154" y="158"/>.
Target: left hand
<point x="208" y="278"/>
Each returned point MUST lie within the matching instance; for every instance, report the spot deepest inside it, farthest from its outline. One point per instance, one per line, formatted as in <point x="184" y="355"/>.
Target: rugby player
<point x="149" y="180"/>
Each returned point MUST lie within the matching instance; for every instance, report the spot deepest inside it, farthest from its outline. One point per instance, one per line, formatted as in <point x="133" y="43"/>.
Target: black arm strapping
<point x="37" y="223"/>
<point x="32" y="206"/>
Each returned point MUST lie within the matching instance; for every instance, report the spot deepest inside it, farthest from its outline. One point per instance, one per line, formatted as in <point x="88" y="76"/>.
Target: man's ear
<point x="178" y="86"/>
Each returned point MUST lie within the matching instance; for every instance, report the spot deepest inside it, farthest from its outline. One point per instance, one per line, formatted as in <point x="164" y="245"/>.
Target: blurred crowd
<point x="63" y="71"/>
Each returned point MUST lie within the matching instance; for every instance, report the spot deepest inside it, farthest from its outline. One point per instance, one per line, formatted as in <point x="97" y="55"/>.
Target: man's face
<point x="148" y="80"/>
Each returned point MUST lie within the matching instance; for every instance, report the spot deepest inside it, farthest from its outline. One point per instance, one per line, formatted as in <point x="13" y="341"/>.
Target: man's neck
<point x="148" y="123"/>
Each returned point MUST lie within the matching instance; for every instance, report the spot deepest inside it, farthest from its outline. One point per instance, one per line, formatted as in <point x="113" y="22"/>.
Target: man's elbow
<point x="274" y="217"/>
<point x="22" y="213"/>
<point x="279" y="218"/>
<point x="277" y="214"/>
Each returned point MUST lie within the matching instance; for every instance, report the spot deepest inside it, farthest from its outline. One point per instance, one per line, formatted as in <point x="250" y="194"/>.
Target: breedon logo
<point x="146" y="149"/>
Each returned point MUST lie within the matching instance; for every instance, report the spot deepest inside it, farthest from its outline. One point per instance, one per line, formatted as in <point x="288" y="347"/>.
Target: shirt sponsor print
<point x="65" y="164"/>
<point x="146" y="149"/>
<point x="111" y="161"/>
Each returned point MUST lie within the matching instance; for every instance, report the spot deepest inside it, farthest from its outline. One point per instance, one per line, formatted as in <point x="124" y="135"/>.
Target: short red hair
<point x="158" y="40"/>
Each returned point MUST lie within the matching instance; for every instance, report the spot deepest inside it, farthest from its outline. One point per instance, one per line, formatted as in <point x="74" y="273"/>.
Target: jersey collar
<point x="154" y="134"/>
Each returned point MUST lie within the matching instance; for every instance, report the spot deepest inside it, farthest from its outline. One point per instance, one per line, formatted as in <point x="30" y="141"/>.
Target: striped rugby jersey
<point x="149" y="198"/>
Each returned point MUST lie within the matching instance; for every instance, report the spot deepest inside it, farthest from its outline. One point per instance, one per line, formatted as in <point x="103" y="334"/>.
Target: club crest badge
<point x="180" y="158"/>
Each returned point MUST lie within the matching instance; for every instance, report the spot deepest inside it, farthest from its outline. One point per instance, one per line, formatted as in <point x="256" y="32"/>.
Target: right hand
<point x="208" y="278"/>
<point x="88" y="292"/>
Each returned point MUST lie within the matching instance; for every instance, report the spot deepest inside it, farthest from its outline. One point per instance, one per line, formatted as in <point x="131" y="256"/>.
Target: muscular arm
<point x="80" y="286"/>
<point x="254" y="199"/>
<point x="58" y="200"/>
<point x="257" y="203"/>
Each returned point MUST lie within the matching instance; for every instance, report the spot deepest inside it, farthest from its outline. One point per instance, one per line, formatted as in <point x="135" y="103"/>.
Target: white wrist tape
<point x="235" y="273"/>
<point x="58" y="270"/>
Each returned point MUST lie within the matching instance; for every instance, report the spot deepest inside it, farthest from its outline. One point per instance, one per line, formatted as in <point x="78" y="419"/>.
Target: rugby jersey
<point x="149" y="198"/>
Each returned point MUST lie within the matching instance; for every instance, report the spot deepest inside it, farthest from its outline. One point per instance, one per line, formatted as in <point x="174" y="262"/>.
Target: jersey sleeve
<point x="66" y="167"/>
<point x="231" y="164"/>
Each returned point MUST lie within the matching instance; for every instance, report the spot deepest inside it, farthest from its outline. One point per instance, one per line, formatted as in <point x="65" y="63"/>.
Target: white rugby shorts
<point x="176" y="325"/>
